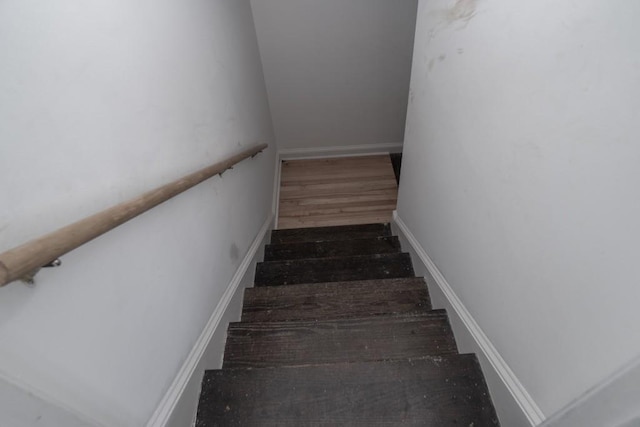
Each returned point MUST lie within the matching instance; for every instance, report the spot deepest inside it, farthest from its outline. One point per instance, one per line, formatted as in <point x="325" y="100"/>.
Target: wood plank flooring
<point x="336" y="191"/>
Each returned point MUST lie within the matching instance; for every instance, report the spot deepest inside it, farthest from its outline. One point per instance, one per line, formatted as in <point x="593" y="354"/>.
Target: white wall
<point x="613" y="403"/>
<point x="337" y="71"/>
<point x="100" y="101"/>
<point x="20" y="408"/>
<point x="212" y="357"/>
<point x="520" y="174"/>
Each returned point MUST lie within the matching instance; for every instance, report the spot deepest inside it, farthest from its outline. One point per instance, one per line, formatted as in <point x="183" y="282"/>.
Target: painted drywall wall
<point x="182" y="411"/>
<point x="519" y="179"/>
<point x="613" y="403"/>
<point x="20" y="408"/>
<point x="100" y="101"/>
<point x="337" y="71"/>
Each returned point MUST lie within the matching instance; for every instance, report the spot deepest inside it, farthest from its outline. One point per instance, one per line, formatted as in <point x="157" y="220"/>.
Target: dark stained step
<point x="370" y="246"/>
<point x="439" y="391"/>
<point x="335" y="300"/>
<point x="318" y="270"/>
<point x="322" y="234"/>
<point x="271" y="344"/>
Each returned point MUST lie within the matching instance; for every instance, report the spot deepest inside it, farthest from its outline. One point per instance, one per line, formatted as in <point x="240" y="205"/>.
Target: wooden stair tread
<point x="317" y="270"/>
<point x="320" y="234"/>
<point x="440" y="391"/>
<point x="332" y="249"/>
<point x="333" y="341"/>
<point x="335" y="300"/>
<point x="350" y="341"/>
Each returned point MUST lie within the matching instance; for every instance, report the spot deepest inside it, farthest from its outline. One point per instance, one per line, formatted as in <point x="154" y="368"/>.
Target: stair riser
<point x="322" y="234"/>
<point x="290" y="251"/>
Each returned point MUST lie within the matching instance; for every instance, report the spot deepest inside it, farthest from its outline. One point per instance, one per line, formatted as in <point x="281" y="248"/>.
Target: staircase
<point x="338" y="331"/>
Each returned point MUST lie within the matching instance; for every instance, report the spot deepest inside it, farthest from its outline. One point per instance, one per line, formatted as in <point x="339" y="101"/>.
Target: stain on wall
<point x="234" y="252"/>
<point x="463" y="11"/>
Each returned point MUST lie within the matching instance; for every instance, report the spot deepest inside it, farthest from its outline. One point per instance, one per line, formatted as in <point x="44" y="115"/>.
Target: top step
<point x="438" y="391"/>
<point x="324" y="234"/>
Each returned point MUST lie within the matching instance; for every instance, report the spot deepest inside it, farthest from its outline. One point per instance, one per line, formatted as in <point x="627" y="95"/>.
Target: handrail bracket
<point x="29" y="278"/>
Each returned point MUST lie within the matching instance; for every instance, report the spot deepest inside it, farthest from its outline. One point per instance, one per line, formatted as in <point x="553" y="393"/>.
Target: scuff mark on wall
<point x="234" y="252"/>
<point x="432" y="62"/>
<point x="462" y="11"/>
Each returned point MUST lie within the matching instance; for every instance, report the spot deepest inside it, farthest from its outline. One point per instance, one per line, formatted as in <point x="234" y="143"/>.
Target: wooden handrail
<point x="25" y="260"/>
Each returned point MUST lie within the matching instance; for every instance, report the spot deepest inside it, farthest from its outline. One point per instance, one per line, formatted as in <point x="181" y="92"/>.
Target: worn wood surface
<point x="22" y="260"/>
<point x="338" y="349"/>
<point x="437" y="392"/>
<point x="332" y="249"/>
<point x="265" y="344"/>
<point x="335" y="300"/>
<point x="338" y="191"/>
<point x="317" y="270"/>
<point x="324" y="234"/>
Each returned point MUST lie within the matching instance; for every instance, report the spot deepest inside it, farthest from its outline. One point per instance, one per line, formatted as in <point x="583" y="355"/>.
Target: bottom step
<point x="434" y="391"/>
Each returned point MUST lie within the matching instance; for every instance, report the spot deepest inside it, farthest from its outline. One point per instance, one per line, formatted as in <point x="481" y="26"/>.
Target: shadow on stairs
<point x="337" y="332"/>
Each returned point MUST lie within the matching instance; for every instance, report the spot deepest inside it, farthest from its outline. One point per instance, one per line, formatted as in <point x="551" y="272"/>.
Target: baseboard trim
<point x="339" y="151"/>
<point x="483" y="346"/>
<point x="167" y="405"/>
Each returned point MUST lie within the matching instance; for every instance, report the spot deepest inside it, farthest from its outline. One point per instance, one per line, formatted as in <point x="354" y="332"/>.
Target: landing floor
<point x="336" y="191"/>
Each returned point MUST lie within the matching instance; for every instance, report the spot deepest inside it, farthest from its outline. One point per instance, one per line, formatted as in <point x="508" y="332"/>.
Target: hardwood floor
<point x="337" y="191"/>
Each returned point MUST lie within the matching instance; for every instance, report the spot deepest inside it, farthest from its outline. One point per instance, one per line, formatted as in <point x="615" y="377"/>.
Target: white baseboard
<point x="339" y="151"/>
<point x="231" y="301"/>
<point x="514" y="404"/>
